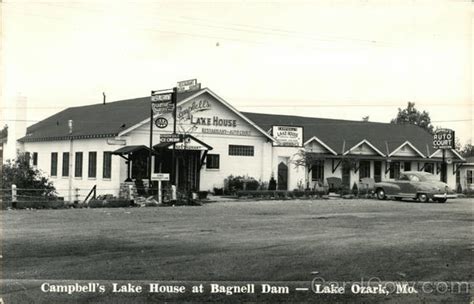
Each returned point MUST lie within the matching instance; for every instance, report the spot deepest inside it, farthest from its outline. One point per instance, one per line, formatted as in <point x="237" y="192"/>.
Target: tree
<point x="467" y="150"/>
<point x="4" y="132"/>
<point x="29" y="181"/>
<point x="411" y="115"/>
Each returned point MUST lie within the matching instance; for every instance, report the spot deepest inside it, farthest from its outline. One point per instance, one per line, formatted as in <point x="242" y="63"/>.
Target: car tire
<point x="441" y="200"/>
<point x="424" y="198"/>
<point x="381" y="194"/>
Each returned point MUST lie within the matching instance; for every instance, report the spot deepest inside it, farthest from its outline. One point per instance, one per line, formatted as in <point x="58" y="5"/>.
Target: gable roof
<point x="193" y="95"/>
<point x="407" y="143"/>
<point x="97" y="120"/>
<point x="342" y="134"/>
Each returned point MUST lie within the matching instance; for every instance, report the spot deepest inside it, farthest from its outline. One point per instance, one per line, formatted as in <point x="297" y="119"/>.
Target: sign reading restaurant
<point x="288" y="136"/>
<point x="443" y="139"/>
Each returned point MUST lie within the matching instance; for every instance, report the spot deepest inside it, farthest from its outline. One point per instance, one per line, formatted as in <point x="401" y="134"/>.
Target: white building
<point x="109" y="144"/>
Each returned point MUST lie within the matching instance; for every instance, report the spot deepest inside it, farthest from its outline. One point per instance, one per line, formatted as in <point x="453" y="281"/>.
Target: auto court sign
<point x="288" y="136"/>
<point x="443" y="139"/>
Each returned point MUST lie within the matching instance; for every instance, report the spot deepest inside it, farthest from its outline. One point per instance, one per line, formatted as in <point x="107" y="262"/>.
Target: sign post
<point x="160" y="177"/>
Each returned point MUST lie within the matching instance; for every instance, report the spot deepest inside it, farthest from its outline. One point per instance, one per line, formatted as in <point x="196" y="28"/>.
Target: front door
<point x="444" y="169"/>
<point x="188" y="167"/>
<point x="282" y="176"/>
<point x="346" y="176"/>
<point x="377" y="171"/>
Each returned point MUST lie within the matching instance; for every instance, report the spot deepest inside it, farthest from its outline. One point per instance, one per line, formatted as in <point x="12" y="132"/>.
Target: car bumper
<point x="445" y="195"/>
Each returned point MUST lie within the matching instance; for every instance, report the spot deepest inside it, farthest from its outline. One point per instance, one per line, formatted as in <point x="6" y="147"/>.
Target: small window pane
<point x="54" y="164"/>
<point x="107" y="165"/>
<point x="66" y="164"/>
<point x="78" y="165"/>
<point x="212" y="161"/>
<point x="238" y="150"/>
<point x="92" y="164"/>
<point x="35" y="158"/>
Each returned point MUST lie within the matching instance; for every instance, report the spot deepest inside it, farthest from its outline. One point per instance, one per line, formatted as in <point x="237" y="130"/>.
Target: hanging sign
<point x="171" y="138"/>
<point x="443" y="139"/>
<point x="161" y="122"/>
<point x="161" y="103"/>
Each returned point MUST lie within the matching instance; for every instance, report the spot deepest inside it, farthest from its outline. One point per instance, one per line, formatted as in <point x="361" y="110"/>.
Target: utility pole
<point x="151" y="146"/>
<point x="173" y="156"/>
<point x="70" y="124"/>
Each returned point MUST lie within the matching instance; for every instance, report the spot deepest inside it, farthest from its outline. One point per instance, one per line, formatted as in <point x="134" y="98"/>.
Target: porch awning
<point x="189" y="143"/>
<point x="131" y="149"/>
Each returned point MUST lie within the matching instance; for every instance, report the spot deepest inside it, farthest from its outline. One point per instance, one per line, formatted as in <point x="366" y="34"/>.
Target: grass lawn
<point x="265" y="241"/>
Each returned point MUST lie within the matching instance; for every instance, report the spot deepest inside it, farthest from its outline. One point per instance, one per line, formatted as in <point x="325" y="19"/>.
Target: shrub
<point x="236" y="183"/>
<point x="28" y="180"/>
<point x="218" y="191"/>
<point x="272" y="185"/>
<point x="355" y="189"/>
<point x="109" y="203"/>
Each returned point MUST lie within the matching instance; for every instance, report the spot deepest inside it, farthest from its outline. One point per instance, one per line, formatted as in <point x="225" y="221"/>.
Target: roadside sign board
<point x="160" y="176"/>
<point x="170" y="138"/>
<point x="444" y="139"/>
<point x="188" y="85"/>
<point x="161" y="97"/>
<point x="161" y="122"/>
<point x="288" y="136"/>
<point x="162" y="107"/>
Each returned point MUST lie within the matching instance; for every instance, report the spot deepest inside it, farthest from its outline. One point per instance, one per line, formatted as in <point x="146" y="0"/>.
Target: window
<point x="28" y="158"/>
<point x="35" y="158"/>
<point x="237" y="150"/>
<point x="394" y="170"/>
<point x="92" y="164"/>
<point x="107" y="165"/>
<point x="317" y="171"/>
<point x="212" y="161"/>
<point x="65" y="164"/>
<point x="364" y="169"/>
<point x="469" y="177"/>
<point x="54" y="164"/>
<point x="78" y="165"/>
<point x="407" y="166"/>
<point x="429" y="167"/>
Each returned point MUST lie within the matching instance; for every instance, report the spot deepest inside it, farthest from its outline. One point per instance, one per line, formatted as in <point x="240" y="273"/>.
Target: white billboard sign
<point x="288" y="136"/>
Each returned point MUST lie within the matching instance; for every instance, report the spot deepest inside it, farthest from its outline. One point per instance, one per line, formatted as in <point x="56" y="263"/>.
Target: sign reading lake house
<point x="212" y="124"/>
<point x="288" y="136"/>
<point x="443" y="139"/>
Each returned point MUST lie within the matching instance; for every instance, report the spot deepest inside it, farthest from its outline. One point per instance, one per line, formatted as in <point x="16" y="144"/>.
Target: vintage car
<point x="422" y="186"/>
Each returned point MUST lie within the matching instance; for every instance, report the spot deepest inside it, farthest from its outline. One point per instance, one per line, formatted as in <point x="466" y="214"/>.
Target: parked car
<point x="422" y="186"/>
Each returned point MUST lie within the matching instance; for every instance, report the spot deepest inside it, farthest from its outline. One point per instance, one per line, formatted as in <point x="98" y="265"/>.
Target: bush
<point x="218" y="191"/>
<point x="39" y="203"/>
<point x="355" y="189"/>
<point x="29" y="181"/>
<point x="109" y="203"/>
<point x="237" y="183"/>
<point x="272" y="185"/>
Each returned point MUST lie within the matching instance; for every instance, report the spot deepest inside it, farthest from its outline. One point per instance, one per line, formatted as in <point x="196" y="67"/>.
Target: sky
<point x="333" y="59"/>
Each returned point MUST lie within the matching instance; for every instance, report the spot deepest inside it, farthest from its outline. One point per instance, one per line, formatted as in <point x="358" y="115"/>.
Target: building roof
<point x="339" y="134"/>
<point x="97" y="120"/>
<point x="470" y="160"/>
<point x="110" y="119"/>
